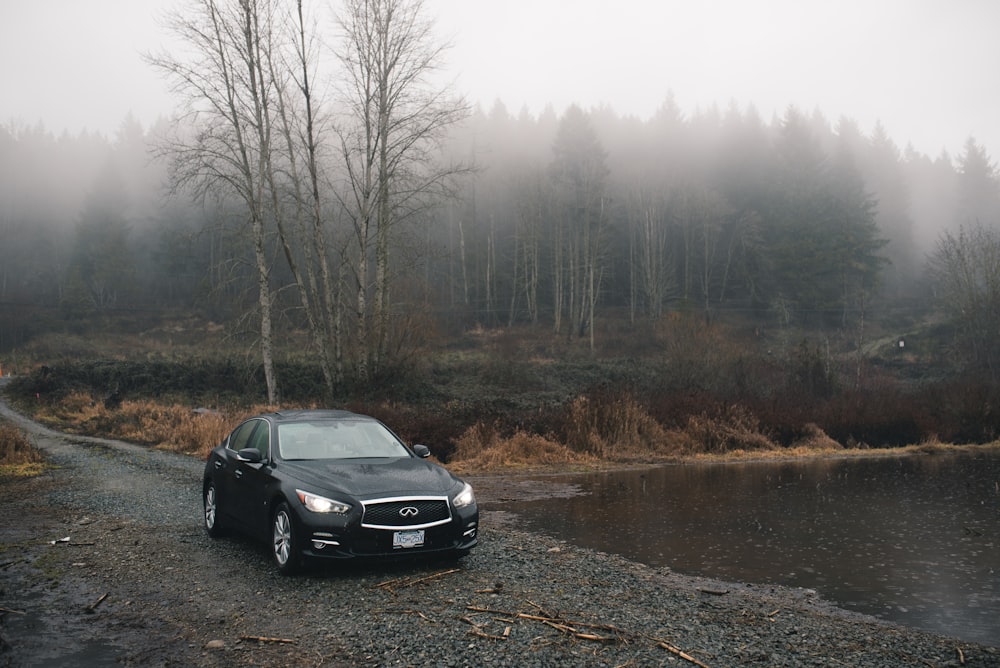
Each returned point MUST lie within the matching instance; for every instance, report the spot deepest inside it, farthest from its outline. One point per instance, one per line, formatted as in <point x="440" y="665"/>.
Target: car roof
<point x="315" y="414"/>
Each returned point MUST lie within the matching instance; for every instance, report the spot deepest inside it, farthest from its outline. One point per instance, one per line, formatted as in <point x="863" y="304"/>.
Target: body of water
<point x="915" y="540"/>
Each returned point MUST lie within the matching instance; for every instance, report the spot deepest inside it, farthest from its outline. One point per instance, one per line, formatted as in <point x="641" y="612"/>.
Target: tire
<point x="213" y="521"/>
<point x="285" y="546"/>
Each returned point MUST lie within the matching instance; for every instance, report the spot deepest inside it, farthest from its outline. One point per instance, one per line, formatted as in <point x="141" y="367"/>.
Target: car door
<point x="226" y="471"/>
<point x="250" y="482"/>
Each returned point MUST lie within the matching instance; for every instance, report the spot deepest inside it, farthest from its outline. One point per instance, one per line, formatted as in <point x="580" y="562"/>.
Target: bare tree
<point x="393" y="121"/>
<point x="222" y="145"/>
<point x="530" y="205"/>
<point x="966" y="269"/>
<point x="579" y="173"/>
<point x="301" y="224"/>
<point x="650" y="259"/>
<point x="253" y="129"/>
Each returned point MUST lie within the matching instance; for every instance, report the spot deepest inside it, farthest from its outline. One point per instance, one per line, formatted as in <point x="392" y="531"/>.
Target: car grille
<point x="399" y="513"/>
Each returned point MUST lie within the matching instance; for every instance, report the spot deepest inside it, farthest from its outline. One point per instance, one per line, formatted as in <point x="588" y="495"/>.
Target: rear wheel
<point x="213" y="522"/>
<point x="285" y="548"/>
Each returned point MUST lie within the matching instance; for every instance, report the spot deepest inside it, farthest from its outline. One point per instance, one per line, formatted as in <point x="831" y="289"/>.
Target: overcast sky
<point x="928" y="69"/>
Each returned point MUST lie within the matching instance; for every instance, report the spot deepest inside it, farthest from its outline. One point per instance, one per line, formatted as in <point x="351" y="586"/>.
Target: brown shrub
<point x="179" y="428"/>
<point x="482" y="448"/>
<point x="167" y="426"/>
<point x="735" y="428"/>
<point x="615" y="428"/>
<point x="76" y="408"/>
<point x="814" y="438"/>
<point x="17" y="454"/>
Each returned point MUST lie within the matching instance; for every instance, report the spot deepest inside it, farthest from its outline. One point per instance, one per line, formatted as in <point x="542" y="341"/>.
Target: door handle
<point x="238" y="474"/>
<point x="219" y="464"/>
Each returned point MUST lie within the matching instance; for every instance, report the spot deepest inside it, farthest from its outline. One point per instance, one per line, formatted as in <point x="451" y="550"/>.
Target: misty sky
<point x="928" y="69"/>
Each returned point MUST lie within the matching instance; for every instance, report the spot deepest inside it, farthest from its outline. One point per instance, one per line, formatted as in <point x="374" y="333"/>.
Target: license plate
<point x="406" y="539"/>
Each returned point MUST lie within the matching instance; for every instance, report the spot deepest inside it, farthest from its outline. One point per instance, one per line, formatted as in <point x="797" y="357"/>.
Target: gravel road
<point x="104" y="561"/>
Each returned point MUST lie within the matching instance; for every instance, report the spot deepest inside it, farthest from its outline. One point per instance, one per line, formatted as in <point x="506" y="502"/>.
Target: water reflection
<point x="915" y="539"/>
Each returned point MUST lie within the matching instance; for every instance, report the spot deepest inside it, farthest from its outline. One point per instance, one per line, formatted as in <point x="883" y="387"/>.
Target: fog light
<point x="322" y="539"/>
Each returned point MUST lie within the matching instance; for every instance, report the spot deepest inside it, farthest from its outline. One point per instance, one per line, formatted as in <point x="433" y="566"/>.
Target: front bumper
<point x="459" y="535"/>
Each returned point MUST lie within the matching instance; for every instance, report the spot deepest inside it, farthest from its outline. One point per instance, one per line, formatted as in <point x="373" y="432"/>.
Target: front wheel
<point x="285" y="543"/>
<point x="213" y="522"/>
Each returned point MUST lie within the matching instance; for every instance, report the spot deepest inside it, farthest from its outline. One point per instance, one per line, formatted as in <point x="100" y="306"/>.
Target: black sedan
<point x="324" y="484"/>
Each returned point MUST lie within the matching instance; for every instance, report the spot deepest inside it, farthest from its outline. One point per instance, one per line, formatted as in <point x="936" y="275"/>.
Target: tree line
<point x="318" y="177"/>
<point x="799" y="218"/>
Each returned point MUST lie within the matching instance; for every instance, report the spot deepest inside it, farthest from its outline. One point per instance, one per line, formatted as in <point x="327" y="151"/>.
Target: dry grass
<point x="815" y="439"/>
<point x="615" y="429"/>
<point x="18" y="457"/>
<point x="602" y="432"/>
<point x="173" y="427"/>
<point x="481" y="449"/>
<point x="806" y="452"/>
<point x="735" y="429"/>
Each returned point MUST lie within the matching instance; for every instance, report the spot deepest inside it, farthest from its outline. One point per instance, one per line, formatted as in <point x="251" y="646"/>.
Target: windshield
<point x="337" y="439"/>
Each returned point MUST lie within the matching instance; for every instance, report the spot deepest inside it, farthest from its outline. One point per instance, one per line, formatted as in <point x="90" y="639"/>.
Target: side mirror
<point x="422" y="451"/>
<point x="251" y="455"/>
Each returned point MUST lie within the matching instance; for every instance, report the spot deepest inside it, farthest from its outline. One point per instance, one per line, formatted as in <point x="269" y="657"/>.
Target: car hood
<point x="372" y="478"/>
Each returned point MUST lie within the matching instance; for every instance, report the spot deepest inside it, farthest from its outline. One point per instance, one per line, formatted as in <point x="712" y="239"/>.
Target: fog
<point x="706" y="116"/>
<point x="925" y="69"/>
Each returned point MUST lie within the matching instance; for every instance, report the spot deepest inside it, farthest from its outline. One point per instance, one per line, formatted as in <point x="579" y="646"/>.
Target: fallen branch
<point x="13" y="612"/>
<point x="402" y="583"/>
<point x="265" y="639"/>
<point x="496" y="589"/>
<point x="543" y="618"/>
<point x="477" y="630"/>
<point x="93" y="606"/>
<point x="604" y="640"/>
<point x="542" y="610"/>
<point x="572" y="628"/>
<point x="480" y="634"/>
<point x="713" y="592"/>
<point x="560" y="627"/>
<point x="678" y="652"/>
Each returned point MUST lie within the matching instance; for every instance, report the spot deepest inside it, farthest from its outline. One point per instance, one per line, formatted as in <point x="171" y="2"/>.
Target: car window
<point x="260" y="439"/>
<point x="338" y="439"/>
<point x="240" y="437"/>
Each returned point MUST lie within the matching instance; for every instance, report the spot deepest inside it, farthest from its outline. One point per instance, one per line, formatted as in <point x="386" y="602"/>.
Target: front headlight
<point x="465" y="497"/>
<point x="321" y="504"/>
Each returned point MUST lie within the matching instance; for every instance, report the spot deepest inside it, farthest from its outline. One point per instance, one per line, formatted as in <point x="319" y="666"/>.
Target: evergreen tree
<point x="978" y="188"/>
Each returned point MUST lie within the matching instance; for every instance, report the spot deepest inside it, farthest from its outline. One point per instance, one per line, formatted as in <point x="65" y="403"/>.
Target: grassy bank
<point x="518" y="398"/>
<point x="480" y="450"/>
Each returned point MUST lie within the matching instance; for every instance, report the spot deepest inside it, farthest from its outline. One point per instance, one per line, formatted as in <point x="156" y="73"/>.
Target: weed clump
<point x="483" y="448"/>
<point x="734" y="428"/>
<point x="18" y="456"/>
<point x="614" y="427"/>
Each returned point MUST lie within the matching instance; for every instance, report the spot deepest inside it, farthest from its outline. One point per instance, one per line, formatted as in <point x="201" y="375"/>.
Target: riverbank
<point x="116" y="588"/>
<point x="107" y="562"/>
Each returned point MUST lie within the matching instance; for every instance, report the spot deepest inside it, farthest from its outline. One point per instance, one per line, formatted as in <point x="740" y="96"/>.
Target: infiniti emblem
<point x="408" y="511"/>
